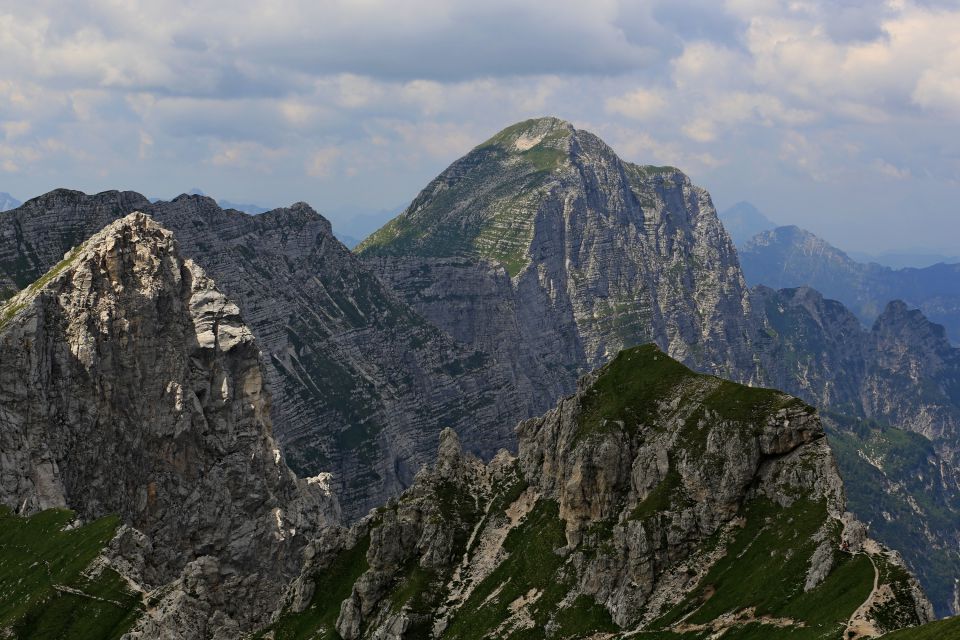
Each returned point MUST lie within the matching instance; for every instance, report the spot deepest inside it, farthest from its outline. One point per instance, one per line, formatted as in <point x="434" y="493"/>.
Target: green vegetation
<point x="583" y="619"/>
<point x="631" y="387"/>
<point x="941" y="630"/>
<point x="11" y="308"/>
<point x="532" y="564"/>
<point x="765" y="567"/>
<point x="484" y="205"/>
<point x="908" y="478"/>
<point x="332" y="586"/>
<point x="48" y="589"/>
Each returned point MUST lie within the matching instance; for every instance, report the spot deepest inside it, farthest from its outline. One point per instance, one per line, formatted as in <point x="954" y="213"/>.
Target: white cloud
<point x="322" y="162"/>
<point x="639" y="104"/>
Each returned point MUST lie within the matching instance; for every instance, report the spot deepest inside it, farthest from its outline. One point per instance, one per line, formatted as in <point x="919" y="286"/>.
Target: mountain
<point x="788" y="257"/>
<point x="919" y="258"/>
<point x="542" y="247"/>
<point x="891" y="397"/>
<point x="252" y="209"/>
<point x="132" y="391"/>
<point x="8" y="202"/>
<point x="361" y="383"/>
<point x="652" y="500"/>
<point x="530" y="261"/>
<point x="743" y="221"/>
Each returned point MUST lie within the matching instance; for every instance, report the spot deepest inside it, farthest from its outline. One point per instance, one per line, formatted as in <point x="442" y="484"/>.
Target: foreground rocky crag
<point x="131" y="386"/>
<point x="654" y="498"/>
<point x="360" y="382"/>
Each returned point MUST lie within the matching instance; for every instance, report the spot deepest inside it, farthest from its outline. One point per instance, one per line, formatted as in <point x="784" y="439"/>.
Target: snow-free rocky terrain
<point x="654" y="502"/>
<point x="531" y="261"/>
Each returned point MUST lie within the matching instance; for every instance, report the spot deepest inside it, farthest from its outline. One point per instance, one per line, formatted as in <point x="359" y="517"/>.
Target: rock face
<point x="543" y="249"/>
<point x="879" y="384"/>
<point x="361" y="383"/>
<point x="601" y="526"/>
<point x="131" y="386"/>
<point x="788" y="257"/>
<point x="601" y="254"/>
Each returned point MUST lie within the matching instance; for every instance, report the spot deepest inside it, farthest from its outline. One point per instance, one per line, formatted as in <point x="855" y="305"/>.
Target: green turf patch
<point x="948" y="629"/>
<point x="46" y="592"/>
<point x="765" y="567"/>
<point x="531" y="565"/>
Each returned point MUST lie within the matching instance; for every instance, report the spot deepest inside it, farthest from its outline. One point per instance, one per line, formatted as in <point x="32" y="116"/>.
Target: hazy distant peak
<point x="743" y="221"/>
<point x="8" y="202"/>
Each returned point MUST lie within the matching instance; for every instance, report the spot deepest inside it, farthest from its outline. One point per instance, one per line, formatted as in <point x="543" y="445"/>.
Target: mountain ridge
<point x="789" y="256"/>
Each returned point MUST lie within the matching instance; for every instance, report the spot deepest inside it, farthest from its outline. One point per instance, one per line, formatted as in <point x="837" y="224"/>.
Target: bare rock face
<point x="131" y="386"/>
<point x="653" y="499"/>
<point x="601" y="254"/>
<point x="361" y="383"/>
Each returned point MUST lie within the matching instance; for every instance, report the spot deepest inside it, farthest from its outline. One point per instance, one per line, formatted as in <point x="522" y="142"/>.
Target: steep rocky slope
<point x="545" y="250"/>
<point x="361" y="383"/>
<point x="131" y="387"/>
<point x="788" y="257"/>
<point x="900" y="375"/>
<point x="600" y="254"/>
<point x="654" y="498"/>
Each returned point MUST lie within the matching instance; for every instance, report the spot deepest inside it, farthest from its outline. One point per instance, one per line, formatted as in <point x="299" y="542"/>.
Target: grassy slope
<point x="948" y="629"/>
<point x="331" y="587"/>
<point x="36" y="556"/>
<point x="454" y="217"/>
<point x="765" y="567"/>
<point x="888" y="498"/>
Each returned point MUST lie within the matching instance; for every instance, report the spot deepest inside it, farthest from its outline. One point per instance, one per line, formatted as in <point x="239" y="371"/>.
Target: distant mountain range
<point x="788" y="257"/>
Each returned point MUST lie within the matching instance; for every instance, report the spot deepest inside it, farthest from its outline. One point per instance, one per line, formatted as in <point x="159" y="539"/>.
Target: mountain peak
<point x="527" y="134"/>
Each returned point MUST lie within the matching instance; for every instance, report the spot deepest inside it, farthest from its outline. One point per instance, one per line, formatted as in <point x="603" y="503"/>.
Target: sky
<point x="841" y="117"/>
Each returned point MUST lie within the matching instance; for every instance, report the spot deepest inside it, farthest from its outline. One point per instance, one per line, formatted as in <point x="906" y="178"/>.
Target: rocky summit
<point x="131" y="388"/>
<point x="583" y="252"/>
<point x="545" y="250"/>
<point x="654" y="502"/>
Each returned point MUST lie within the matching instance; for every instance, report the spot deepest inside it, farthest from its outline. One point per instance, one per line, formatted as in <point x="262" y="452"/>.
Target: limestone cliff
<point x="131" y="386"/>
<point x="361" y="383"/>
<point x="601" y="254"/>
<point x="653" y="499"/>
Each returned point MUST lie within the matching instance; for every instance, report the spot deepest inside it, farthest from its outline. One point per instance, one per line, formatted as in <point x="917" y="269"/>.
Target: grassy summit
<point x="512" y="569"/>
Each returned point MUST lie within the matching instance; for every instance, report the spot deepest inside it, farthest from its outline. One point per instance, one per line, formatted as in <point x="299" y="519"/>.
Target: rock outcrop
<point x="361" y="383"/>
<point x="653" y="499"/>
<point x="131" y="386"/>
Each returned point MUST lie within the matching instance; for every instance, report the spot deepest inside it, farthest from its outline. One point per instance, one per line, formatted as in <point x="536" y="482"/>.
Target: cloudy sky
<point x="840" y="116"/>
